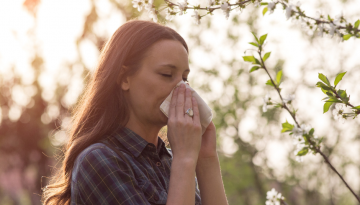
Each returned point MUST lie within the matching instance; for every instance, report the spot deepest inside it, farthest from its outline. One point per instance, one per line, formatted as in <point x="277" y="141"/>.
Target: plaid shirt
<point x="100" y="176"/>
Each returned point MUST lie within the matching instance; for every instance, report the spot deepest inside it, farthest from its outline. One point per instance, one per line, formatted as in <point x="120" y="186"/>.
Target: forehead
<point x="167" y="52"/>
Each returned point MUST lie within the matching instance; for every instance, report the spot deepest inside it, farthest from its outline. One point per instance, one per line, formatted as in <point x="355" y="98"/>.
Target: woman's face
<point x="164" y="65"/>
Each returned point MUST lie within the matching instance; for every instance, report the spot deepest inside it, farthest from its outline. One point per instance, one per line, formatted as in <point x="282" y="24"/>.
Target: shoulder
<point x="100" y="176"/>
<point x="98" y="158"/>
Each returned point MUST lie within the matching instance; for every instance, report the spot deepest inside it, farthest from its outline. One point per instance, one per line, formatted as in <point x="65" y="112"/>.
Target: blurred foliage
<point x="27" y="143"/>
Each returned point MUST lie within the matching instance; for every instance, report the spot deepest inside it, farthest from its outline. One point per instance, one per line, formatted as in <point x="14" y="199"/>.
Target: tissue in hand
<point x="204" y="109"/>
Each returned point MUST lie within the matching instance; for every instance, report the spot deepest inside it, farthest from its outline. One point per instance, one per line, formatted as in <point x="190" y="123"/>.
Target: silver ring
<point x="190" y="112"/>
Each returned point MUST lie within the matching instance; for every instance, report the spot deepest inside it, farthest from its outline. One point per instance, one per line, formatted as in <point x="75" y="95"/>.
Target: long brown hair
<point x="102" y="108"/>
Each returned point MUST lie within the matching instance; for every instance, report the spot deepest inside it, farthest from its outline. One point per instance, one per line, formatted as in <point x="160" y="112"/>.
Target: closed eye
<point x="169" y="76"/>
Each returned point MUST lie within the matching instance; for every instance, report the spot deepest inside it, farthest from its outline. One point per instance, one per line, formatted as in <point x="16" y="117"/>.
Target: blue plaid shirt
<point x="100" y="176"/>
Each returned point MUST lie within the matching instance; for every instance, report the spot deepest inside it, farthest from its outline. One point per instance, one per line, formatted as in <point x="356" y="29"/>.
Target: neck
<point x="148" y="132"/>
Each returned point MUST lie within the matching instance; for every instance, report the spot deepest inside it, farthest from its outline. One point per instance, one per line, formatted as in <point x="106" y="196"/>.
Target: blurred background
<point x="48" y="49"/>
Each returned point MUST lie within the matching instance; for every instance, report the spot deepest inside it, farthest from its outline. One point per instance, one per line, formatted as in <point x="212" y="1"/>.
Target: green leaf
<point x="254" y="44"/>
<point x="356" y="24"/>
<point x="254" y="68"/>
<point x="287" y="127"/>
<point x="324" y="79"/>
<point x="303" y="151"/>
<point x="339" y="78"/>
<point x="278" y="77"/>
<point x="322" y="86"/>
<point x="266" y="56"/>
<point x="311" y="132"/>
<point x="346" y="37"/>
<point x="269" y="83"/>
<point x="249" y="58"/>
<point x="257" y="61"/>
<point x="327" y="106"/>
<point x="330" y="94"/>
<point x="333" y="99"/>
<point x="306" y="140"/>
<point x="329" y="18"/>
<point x="320" y="140"/>
<point x="262" y="39"/>
<point x="343" y="95"/>
<point x="264" y="10"/>
<point x="264" y="3"/>
<point x="357" y="107"/>
<point x="325" y="98"/>
<point x="257" y="40"/>
<point x="324" y="91"/>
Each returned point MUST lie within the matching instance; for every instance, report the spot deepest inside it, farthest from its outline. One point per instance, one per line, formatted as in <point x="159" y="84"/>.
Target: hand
<point x="184" y="132"/>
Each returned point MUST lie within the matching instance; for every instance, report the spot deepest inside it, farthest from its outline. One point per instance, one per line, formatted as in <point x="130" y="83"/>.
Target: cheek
<point x="150" y="92"/>
<point x="149" y="95"/>
<point x="156" y="96"/>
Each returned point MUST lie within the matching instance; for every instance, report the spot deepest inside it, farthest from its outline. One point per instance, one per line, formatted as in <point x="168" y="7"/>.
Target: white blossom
<point x="139" y="4"/>
<point x="271" y="7"/>
<point x="273" y="197"/>
<point x="306" y="128"/>
<point x="226" y="9"/>
<point x="182" y="7"/>
<point x="338" y="111"/>
<point x="297" y="131"/>
<point x="299" y="147"/>
<point x="321" y="30"/>
<point x="289" y="98"/>
<point x="318" y="15"/>
<point x="338" y="18"/>
<point x="153" y="15"/>
<point x="196" y="17"/>
<point x="169" y="16"/>
<point x="257" y="3"/>
<point x="333" y="29"/>
<point x="210" y="2"/>
<point x="149" y="5"/>
<point x="266" y="100"/>
<point x="342" y="119"/>
<point x="289" y="10"/>
<point x="271" y="194"/>
<point x="299" y="140"/>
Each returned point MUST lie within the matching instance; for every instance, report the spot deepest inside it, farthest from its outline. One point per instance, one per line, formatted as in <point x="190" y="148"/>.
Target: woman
<point x="114" y="155"/>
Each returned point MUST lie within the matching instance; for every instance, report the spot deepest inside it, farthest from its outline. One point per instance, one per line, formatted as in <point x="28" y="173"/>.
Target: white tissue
<point x="204" y="109"/>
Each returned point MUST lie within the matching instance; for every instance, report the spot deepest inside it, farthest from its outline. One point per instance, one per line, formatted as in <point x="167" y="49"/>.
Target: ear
<point x="124" y="80"/>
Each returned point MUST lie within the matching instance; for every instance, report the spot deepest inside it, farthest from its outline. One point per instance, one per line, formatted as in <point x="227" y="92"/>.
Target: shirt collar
<point x="135" y="143"/>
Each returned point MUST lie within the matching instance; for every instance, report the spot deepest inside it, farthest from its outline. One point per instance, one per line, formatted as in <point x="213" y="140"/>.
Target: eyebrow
<point x="172" y="66"/>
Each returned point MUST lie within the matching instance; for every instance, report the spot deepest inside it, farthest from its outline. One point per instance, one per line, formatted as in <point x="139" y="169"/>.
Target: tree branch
<point x="310" y="141"/>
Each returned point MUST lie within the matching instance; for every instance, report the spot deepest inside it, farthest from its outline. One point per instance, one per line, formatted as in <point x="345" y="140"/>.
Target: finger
<point x="172" y="110"/>
<point x="196" y="116"/>
<point x="188" y="103"/>
<point x="180" y="101"/>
